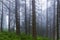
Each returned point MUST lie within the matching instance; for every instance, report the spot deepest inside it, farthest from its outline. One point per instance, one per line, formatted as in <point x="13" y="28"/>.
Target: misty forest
<point x="29" y="19"/>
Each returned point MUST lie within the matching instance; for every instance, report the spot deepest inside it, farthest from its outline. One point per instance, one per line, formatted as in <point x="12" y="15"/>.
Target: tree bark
<point x="2" y="18"/>
<point x="25" y="19"/>
<point x="41" y="21"/>
<point x="9" y="18"/>
<point x="17" y="15"/>
<point x="54" y="22"/>
<point x="47" y="20"/>
<point x="58" y="12"/>
<point x="34" y="34"/>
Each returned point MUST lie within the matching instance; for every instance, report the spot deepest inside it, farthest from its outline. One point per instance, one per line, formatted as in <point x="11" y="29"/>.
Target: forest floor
<point x="13" y="36"/>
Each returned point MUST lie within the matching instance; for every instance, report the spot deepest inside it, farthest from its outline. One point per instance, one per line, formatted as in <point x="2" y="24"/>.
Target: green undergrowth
<point x="13" y="36"/>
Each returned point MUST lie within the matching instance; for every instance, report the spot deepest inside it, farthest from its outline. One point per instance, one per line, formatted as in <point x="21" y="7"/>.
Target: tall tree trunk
<point x="2" y="18"/>
<point x="50" y="28"/>
<point x="9" y="18"/>
<point x="34" y="34"/>
<point x="29" y="22"/>
<point x="13" y="20"/>
<point x="54" y="22"/>
<point x="17" y="15"/>
<point x="25" y="18"/>
<point x="58" y="12"/>
<point x="41" y="20"/>
<point x="29" y="17"/>
<point x="47" y="20"/>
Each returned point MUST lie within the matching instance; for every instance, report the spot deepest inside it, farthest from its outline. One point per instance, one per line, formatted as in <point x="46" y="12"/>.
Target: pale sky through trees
<point x="36" y="17"/>
<point x="40" y="2"/>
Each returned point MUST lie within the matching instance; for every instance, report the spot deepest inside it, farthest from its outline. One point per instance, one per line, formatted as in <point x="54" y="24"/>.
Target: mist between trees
<point x="39" y="18"/>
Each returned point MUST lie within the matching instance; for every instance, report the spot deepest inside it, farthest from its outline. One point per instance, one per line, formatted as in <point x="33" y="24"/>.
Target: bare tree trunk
<point x="17" y="15"/>
<point x="9" y="18"/>
<point x="34" y="34"/>
<point x="41" y="20"/>
<point x="47" y="20"/>
<point x="2" y="18"/>
<point x="54" y="22"/>
<point x="13" y="20"/>
<point x="50" y="29"/>
<point x="58" y="12"/>
<point x="29" y="22"/>
<point x="25" y="19"/>
<point x="29" y="17"/>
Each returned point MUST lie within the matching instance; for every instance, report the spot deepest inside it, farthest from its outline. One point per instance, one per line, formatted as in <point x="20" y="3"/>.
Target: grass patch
<point x="13" y="36"/>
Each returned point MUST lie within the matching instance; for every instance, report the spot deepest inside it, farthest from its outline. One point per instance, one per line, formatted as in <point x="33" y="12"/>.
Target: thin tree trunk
<point x="47" y="20"/>
<point x="58" y="12"/>
<point x="54" y="22"/>
<point x="34" y="34"/>
<point x="17" y="15"/>
<point x="13" y="21"/>
<point x="9" y="18"/>
<point x="29" y="16"/>
<point x="50" y="29"/>
<point x="2" y="18"/>
<point x="25" y="19"/>
<point x="29" y="23"/>
<point x="41" y="20"/>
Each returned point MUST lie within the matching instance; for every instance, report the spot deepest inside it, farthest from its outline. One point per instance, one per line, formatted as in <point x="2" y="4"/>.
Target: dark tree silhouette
<point x="50" y="28"/>
<point x="29" y="28"/>
<point x="54" y="22"/>
<point x="47" y="20"/>
<point x="41" y="21"/>
<point x="34" y="34"/>
<point x="2" y="18"/>
<point x="58" y="14"/>
<point x="17" y="15"/>
<point x="25" y="18"/>
<point x="9" y="18"/>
